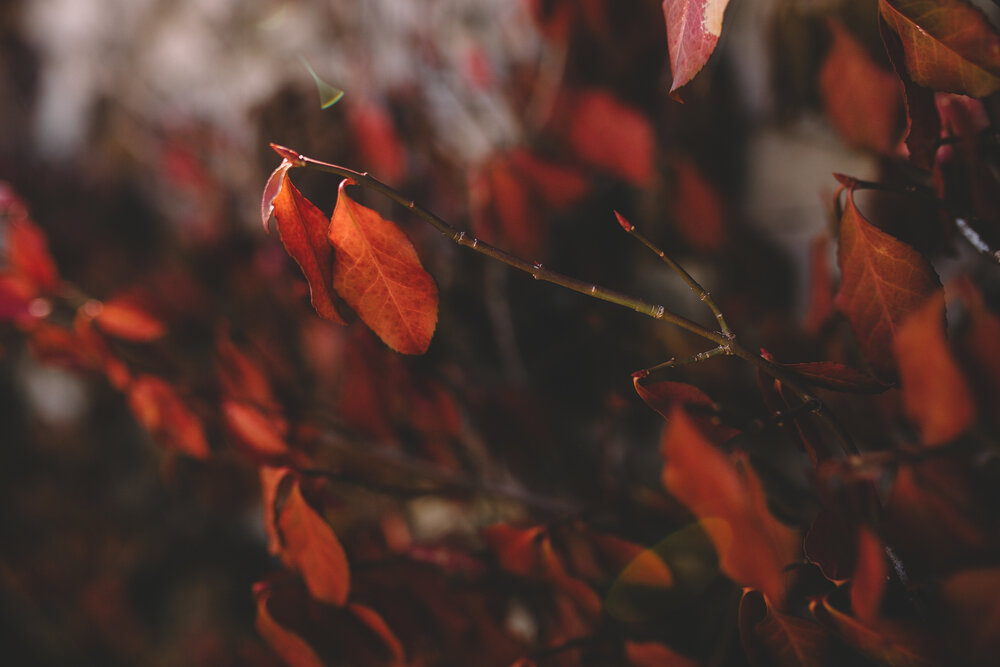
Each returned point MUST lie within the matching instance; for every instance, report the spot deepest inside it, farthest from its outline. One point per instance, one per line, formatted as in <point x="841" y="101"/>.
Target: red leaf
<point x="122" y="318"/>
<point x="698" y="210"/>
<point x="860" y="98"/>
<point x="303" y="231"/>
<point x="948" y="45"/>
<point x="693" y="29"/>
<point x="868" y="582"/>
<point x="923" y="123"/>
<point x="27" y="252"/>
<point x="752" y="545"/>
<point x="158" y="408"/>
<point x="653" y="654"/>
<point x="312" y="549"/>
<point x="378" y="273"/>
<point x="882" y="281"/>
<point x="936" y="395"/>
<point x="665" y="396"/>
<point x="770" y="637"/>
<point x="290" y="647"/>
<point x="606" y="133"/>
<point x="271" y="190"/>
<point x="256" y="433"/>
<point x="838" y="377"/>
<point x="270" y="480"/>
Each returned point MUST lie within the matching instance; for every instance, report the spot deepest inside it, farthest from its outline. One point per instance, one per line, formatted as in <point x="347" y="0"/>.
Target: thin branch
<point x="674" y="362"/>
<point x="695" y="286"/>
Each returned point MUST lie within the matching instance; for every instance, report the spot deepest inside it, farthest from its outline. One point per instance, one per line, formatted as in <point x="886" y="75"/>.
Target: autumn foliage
<point x="449" y="464"/>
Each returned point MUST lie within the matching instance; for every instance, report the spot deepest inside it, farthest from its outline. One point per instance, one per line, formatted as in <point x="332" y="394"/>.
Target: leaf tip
<point x="626" y="225"/>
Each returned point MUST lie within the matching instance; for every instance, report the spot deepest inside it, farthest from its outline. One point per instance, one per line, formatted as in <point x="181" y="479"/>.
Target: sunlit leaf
<point x="303" y="229"/>
<point x="311" y="548"/>
<point x="377" y="272"/>
<point x="948" y="45"/>
<point x="693" y="29"/>
<point x="882" y="281"/>
<point x="936" y="396"/>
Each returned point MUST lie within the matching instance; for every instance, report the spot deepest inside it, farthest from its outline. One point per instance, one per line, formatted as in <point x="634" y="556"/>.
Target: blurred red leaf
<point x="838" y="377"/>
<point x="378" y="273"/>
<point x="923" y="124"/>
<point x="241" y="379"/>
<point x="697" y="208"/>
<point x="381" y="150"/>
<point x="610" y="135"/>
<point x="882" y="281"/>
<point x="752" y="545"/>
<point x="665" y="395"/>
<point x="557" y="185"/>
<point x="869" y="580"/>
<point x="820" y="307"/>
<point x="830" y="544"/>
<point x="270" y="481"/>
<point x="27" y="252"/>
<point x="374" y="622"/>
<point x="770" y="637"/>
<point x="123" y="318"/>
<point x="289" y="646"/>
<point x="503" y="211"/>
<point x="693" y="29"/>
<point x="860" y="98"/>
<point x="255" y="432"/>
<point x="936" y="396"/>
<point x="16" y="294"/>
<point x="888" y="644"/>
<point x="312" y="549"/>
<point x="654" y="654"/>
<point x="160" y="410"/>
<point x="303" y="230"/>
<point x="948" y="45"/>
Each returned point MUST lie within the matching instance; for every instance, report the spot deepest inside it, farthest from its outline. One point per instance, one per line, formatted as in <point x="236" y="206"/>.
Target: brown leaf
<point x="610" y="135"/>
<point x="312" y="549"/>
<point x="160" y="410"/>
<point x="752" y="545"/>
<point x="289" y="646"/>
<point x="860" y="98"/>
<point x="693" y="29"/>
<point x="303" y="230"/>
<point x="882" y="281"/>
<point x="869" y="580"/>
<point x="838" y="377"/>
<point x="936" y="396"/>
<point x="948" y="45"/>
<point x="770" y="637"/>
<point x="123" y="318"/>
<point x="378" y="273"/>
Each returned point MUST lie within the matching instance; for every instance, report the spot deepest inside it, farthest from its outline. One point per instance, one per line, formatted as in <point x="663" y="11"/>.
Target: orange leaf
<point x="606" y="133"/>
<point x="752" y="545"/>
<point x="693" y="29"/>
<point x="882" y="281"/>
<point x="158" y="408"/>
<point x="303" y="230"/>
<point x="289" y="646"/>
<point x="254" y="431"/>
<point x="378" y="273"/>
<point x="860" y="98"/>
<point x="868" y="582"/>
<point x="936" y="395"/>
<point x="122" y="318"/>
<point x="313" y="550"/>
<point x="948" y="45"/>
<point x="770" y="637"/>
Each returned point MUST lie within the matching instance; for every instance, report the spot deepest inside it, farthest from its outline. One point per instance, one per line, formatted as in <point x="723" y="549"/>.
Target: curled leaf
<point x="378" y="274"/>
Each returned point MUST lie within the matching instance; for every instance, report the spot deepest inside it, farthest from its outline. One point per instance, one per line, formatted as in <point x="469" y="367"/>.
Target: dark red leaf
<point x="869" y="580"/>
<point x="820" y="307"/>
<point x="698" y="210"/>
<point x="752" y="545"/>
<point x="311" y="548"/>
<point x="664" y="396"/>
<point x="378" y="274"/>
<point x="27" y="252"/>
<point x="882" y="281"/>
<point x="303" y="230"/>
<point x="693" y="29"/>
<point x="374" y="622"/>
<point x="838" y="377"/>
<point x="948" y="45"/>
<point x="289" y="646"/>
<point x="861" y="99"/>
<point x="610" y="135"/>
<point x="770" y="637"/>
<point x="936" y="396"/>
<point x="157" y="407"/>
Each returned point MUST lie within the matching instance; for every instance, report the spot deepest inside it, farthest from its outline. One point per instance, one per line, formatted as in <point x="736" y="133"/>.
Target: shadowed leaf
<point x="888" y="644"/>
<point x="838" y="377"/>
<point x="378" y="274"/>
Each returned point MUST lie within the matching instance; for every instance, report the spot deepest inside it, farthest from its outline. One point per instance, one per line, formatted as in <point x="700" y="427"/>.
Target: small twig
<point x="695" y="286"/>
<point x="675" y="362"/>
